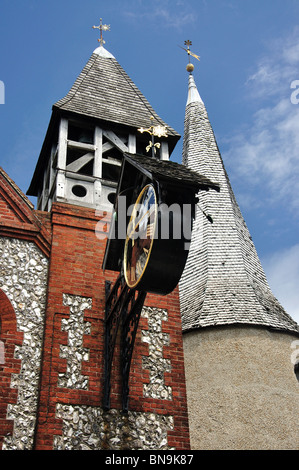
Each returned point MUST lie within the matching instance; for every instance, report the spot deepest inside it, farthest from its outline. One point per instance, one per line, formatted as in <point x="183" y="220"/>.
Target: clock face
<point x="140" y="236"/>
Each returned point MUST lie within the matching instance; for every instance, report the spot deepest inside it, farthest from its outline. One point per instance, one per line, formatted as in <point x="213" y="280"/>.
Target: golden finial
<point x="190" y="67"/>
<point x="102" y="27"/>
<point x="154" y="131"/>
<point x="158" y="131"/>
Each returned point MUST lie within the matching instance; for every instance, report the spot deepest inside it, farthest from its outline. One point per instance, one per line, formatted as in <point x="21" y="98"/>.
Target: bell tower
<point x="90" y="129"/>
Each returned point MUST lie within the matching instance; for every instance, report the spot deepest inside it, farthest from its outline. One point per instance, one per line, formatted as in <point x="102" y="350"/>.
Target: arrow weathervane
<point x="188" y="44"/>
<point x="190" y="67"/>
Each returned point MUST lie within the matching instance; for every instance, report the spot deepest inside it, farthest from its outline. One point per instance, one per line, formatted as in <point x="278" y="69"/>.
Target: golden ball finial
<point x="190" y="68"/>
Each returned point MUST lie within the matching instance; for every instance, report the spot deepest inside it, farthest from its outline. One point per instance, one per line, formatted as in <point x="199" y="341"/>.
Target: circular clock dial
<point x="140" y="236"/>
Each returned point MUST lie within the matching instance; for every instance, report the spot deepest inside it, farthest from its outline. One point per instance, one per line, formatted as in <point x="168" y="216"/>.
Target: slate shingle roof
<point x="103" y="90"/>
<point x="166" y="169"/>
<point x="223" y="282"/>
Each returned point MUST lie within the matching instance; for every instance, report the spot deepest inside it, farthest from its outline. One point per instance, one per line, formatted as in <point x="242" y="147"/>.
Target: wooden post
<point x="97" y="167"/>
<point x="164" y="151"/>
<point x="132" y="143"/>
<point x="61" y="158"/>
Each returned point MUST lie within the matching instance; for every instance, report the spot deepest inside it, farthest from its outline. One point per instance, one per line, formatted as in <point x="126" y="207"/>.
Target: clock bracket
<point x="123" y="308"/>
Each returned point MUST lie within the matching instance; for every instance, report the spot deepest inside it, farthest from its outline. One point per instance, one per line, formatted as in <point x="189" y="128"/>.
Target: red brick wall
<point x="17" y="217"/>
<point x="10" y="338"/>
<point x="75" y="268"/>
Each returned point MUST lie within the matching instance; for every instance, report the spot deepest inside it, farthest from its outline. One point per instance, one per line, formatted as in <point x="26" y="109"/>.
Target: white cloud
<point x="282" y="271"/>
<point x="263" y="158"/>
<point x="171" y="14"/>
<point x="267" y="152"/>
<point x="277" y="69"/>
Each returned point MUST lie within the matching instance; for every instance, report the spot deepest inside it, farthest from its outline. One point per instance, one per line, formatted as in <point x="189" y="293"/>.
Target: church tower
<point x="241" y="387"/>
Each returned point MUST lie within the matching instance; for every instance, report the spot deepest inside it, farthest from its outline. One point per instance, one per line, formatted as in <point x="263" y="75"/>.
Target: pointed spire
<point x="223" y="282"/>
<point x="193" y="94"/>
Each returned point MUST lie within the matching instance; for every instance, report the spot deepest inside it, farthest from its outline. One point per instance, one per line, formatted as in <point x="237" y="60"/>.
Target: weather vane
<point x="102" y="27"/>
<point x="190" y="67"/>
<point x="154" y="131"/>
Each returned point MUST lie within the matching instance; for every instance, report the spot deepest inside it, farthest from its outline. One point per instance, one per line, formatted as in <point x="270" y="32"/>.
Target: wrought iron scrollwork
<point x="113" y="309"/>
<point x="123" y="307"/>
<point x="130" y="321"/>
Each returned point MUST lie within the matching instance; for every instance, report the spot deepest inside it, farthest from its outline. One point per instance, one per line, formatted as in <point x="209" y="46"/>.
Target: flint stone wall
<point x="23" y="278"/>
<point x="90" y="428"/>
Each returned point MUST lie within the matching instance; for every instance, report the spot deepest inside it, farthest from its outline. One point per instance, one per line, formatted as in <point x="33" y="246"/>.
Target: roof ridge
<point x="16" y="188"/>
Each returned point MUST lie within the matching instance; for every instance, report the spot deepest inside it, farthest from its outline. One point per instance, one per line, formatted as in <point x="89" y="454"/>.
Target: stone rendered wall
<point x="242" y="391"/>
<point x="23" y="278"/>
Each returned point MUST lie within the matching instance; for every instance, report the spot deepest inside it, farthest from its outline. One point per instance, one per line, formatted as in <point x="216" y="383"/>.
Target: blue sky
<point x="249" y="52"/>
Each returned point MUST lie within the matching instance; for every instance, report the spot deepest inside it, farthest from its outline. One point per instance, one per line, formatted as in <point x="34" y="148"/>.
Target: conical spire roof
<point x="223" y="282"/>
<point x="103" y="93"/>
